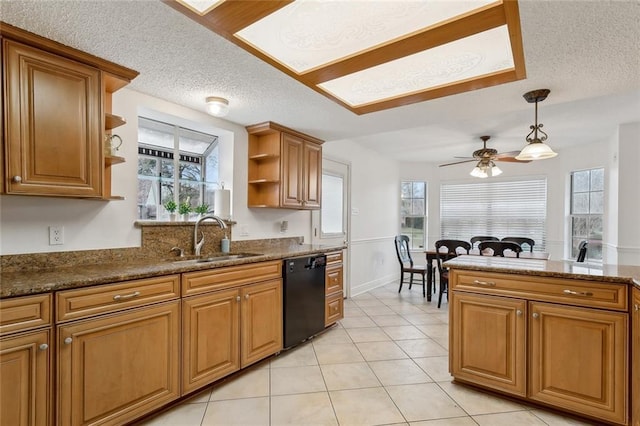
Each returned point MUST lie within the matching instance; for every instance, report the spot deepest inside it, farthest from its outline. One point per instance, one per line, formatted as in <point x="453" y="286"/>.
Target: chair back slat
<point x="479" y="238"/>
<point x="402" y="250"/>
<point x="499" y="247"/>
<point x="521" y="240"/>
<point x="447" y="249"/>
<point x="582" y="251"/>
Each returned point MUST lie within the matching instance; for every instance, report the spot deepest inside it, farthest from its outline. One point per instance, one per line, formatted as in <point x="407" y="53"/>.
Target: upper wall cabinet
<point x="57" y="121"/>
<point x="285" y="168"/>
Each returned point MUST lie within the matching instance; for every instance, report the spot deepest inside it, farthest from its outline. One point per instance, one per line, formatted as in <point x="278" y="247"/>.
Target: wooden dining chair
<point x="479" y="238"/>
<point x="582" y="251"/>
<point x="406" y="264"/>
<point x="499" y="247"/>
<point x="452" y="248"/>
<point x="522" y="240"/>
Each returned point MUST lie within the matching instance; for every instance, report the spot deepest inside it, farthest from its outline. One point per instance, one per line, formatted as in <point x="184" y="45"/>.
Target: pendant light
<point x="536" y="149"/>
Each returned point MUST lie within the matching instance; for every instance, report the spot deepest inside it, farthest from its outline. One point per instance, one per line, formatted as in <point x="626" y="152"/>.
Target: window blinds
<point x="499" y="209"/>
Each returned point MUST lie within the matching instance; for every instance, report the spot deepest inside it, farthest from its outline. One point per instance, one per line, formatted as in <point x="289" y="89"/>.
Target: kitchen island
<point x="558" y="334"/>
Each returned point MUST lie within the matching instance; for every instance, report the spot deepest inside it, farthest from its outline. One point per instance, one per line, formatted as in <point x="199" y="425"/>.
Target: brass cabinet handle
<point x="237" y="298"/>
<point x="246" y="296"/>
<point x="126" y="296"/>
<point x="578" y="293"/>
<point x="68" y="341"/>
<point x="536" y="315"/>
<point x="518" y="312"/>
<point x="16" y="179"/>
<point x="43" y="347"/>
<point x="485" y="283"/>
<point x="637" y="307"/>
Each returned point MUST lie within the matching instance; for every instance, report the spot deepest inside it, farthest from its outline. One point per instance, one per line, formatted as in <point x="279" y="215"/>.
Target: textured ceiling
<point x="586" y="52"/>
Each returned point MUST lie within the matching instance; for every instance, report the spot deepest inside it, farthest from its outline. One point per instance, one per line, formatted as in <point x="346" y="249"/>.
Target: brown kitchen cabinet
<point x="118" y="350"/>
<point x="334" y="289"/>
<point x="285" y="168"/>
<point x="233" y="320"/>
<point x="26" y="361"/>
<point x="635" y="356"/>
<point x="57" y="103"/>
<point x="529" y="321"/>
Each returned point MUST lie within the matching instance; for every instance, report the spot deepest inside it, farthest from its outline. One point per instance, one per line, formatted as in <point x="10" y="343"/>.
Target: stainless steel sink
<point x="219" y="258"/>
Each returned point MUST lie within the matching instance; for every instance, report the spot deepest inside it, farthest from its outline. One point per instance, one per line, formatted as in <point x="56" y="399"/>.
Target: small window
<point x="587" y="210"/>
<point x="413" y="213"/>
<point x="174" y="163"/>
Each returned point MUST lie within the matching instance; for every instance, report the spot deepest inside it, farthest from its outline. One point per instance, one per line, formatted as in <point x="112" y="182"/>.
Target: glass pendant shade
<point x="218" y="107"/>
<point x="536" y="151"/>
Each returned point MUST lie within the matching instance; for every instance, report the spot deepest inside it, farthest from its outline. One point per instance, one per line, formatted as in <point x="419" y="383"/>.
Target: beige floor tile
<point x="202" y="396"/>
<point x="403" y="332"/>
<point x="398" y="372"/>
<point x="334" y="335"/>
<point x="182" y="415"/>
<point x="553" y="419"/>
<point x="362" y="296"/>
<point x="442" y="341"/>
<point x="378" y="310"/>
<point x="424" y="401"/>
<point x="389" y="320"/>
<point x="378" y="351"/>
<point x="353" y="311"/>
<point x="349" y="376"/>
<point x="368" y="334"/>
<point x="240" y="412"/>
<point x="300" y="356"/>
<point x="520" y="418"/>
<point x="477" y="402"/>
<point x="355" y="322"/>
<point x="422" y="318"/>
<point x="419" y="348"/>
<point x="435" y="330"/>
<point x="455" y="421"/>
<point x="337" y="353"/>
<point x="254" y="383"/>
<point x="437" y="367"/>
<point x="359" y="407"/>
<point x="304" y="409"/>
<point x="410" y="309"/>
<point x="285" y="381"/>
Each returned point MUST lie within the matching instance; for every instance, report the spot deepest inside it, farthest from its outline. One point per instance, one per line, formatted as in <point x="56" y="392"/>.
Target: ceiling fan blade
<point x="511" y="160"/>
<point x="457" y="162"/>
<point x="468" y="158"/>
<point x="507" y="154"/>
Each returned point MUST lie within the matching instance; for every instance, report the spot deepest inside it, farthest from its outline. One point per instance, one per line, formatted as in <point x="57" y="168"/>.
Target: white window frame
<point x="413" y="245"/>
<point x="574" y="241"/>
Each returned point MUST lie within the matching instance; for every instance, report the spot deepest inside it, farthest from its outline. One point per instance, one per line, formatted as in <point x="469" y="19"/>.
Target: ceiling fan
<point x="489" y="154"/>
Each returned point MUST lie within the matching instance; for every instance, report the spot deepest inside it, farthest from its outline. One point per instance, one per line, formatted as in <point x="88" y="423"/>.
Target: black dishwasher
<point x="303" y="298"/>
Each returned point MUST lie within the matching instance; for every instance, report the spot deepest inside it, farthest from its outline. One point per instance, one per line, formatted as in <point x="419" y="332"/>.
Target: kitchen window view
<point x="413" y="213"/>
<point x="587" y="209"/>
<point x="501" y="209"/>
<point x="174" y="163"/>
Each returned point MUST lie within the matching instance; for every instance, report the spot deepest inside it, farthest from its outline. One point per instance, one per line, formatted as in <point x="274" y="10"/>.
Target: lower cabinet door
<point x="579" y="360"/>
<point x="25" y="385"/>
<point x="210" y="338"/>
<point x="635" y="356"/>
<point x="333" y="308"/>
<point x="115" y="368"/>
<point x="488" y="341"/>
<point x="260" y="321"/>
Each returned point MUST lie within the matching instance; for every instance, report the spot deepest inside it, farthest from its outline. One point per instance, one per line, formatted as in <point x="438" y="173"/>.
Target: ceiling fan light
<point x="218" y="107"/>
<point x="479" y="171"/>
<point x="495" y="171"/>
<point x="536" y="151"/>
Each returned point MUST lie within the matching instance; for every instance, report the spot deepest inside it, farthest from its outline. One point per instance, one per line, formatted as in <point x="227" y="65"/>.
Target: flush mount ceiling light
<point x="218" y="107"/>
<point x="371" y="56"/>
<point x="536" y="149"/>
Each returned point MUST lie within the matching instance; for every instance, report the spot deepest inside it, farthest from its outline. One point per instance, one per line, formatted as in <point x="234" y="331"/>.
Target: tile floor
<point x="385" y="363"/>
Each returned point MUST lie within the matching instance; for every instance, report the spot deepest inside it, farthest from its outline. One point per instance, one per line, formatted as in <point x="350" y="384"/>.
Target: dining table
<point x="431" y="257"/>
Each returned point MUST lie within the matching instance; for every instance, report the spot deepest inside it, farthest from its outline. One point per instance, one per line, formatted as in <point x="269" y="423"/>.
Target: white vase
<point x="172" y="217"/>
<point x="185" y="217"/>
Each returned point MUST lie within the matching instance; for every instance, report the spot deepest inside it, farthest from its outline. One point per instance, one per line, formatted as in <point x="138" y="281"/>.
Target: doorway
<point x="330" y="225"/>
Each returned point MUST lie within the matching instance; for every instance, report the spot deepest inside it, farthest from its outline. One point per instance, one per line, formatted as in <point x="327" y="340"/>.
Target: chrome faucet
<point x="197" y="245"/>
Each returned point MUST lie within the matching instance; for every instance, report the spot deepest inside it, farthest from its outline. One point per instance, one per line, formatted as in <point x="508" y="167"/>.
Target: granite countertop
<point x="549" y="268"/>
<point x="20" y="283"/>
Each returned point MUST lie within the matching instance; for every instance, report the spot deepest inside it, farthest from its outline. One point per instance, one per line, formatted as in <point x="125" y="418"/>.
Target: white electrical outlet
<point x="56" y="235"/>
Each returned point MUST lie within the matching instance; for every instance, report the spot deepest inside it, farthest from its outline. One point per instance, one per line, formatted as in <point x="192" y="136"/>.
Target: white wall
<point x="375" y="203"/>
<point x="628" y="209"/>
<point x="24" y="220"/>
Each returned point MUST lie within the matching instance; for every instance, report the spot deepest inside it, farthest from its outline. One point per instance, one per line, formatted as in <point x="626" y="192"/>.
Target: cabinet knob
<point x="636" y="307"/>
<point x="237" y="298"/>
<point x="246" y="296"/>
<point x="518" y="312"/>
<point x="16" y="179"/>
<point x="68" y="341"/>
<point x="536" y="315"/>
<point x="43" y="347"/>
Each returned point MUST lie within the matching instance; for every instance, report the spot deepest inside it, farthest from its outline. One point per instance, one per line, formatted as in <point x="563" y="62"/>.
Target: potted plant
<point x="171" y="207"/>
<point x="202" y="209"/>
<point x="184" y="210"/>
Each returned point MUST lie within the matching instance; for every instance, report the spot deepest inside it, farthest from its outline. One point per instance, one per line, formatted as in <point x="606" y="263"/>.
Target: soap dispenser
<point x="224" y="244"/>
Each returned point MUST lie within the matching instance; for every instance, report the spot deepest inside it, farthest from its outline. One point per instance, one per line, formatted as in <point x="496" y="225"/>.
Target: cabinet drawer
<point x="586" y="293"/>
<point x="335" y="257"/>
<point x="74" y="304"/>
<point x="334" y="308"/>
<point x="24" y="313"/>
<point x="232" y="276"/>
<point x="333" y="279"/>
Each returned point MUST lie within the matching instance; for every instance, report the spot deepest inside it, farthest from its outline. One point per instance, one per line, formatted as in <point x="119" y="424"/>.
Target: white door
<point x="330" y="224"/>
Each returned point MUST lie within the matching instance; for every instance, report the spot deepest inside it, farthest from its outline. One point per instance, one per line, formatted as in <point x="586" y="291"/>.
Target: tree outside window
<point x="413" y="213"/>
